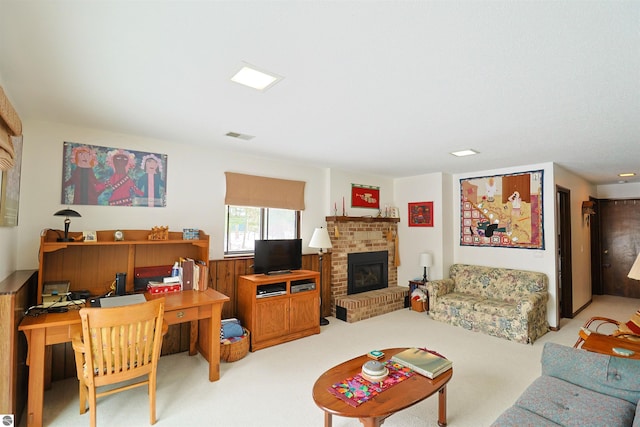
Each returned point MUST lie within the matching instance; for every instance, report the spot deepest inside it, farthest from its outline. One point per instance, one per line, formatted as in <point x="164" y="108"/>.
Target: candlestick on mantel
<point x="343" y="212"/>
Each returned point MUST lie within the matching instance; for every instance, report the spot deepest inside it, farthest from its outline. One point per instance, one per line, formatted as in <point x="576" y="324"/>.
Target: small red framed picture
<point x="365" y="196"/>
<point x="421" y="214"/>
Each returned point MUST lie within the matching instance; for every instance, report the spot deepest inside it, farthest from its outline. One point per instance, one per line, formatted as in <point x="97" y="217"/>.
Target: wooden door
<point x="272" y="318"/>
<point x="565" y="267"/>
<point x="305" y="311"/>
<point x="620" y="243"/>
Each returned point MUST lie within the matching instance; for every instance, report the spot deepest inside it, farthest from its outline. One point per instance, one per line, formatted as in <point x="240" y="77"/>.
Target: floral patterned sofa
<point x="578" y="388"/>
<point x="506" y="303"/>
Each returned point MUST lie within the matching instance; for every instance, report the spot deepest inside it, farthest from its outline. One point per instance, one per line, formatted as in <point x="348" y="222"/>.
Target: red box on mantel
<point x="163" y="289"/>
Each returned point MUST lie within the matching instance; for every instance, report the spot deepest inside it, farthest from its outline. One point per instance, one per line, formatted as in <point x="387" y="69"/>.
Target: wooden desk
<point x="201" y="309"/>
<point x="604" y="344"/>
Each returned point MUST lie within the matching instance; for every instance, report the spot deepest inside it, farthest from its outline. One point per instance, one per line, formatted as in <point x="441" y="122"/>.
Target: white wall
<point x="629" y="190"/>
<point x="195" y="188"/>
<point x="340" y="188"/>
<point x="416" y="240"/>
<point x="528" y="259"/>
<point x="580" y="190"/>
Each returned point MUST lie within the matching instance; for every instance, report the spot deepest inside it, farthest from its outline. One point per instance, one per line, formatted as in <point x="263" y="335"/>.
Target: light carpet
<point x="272" y="387"/>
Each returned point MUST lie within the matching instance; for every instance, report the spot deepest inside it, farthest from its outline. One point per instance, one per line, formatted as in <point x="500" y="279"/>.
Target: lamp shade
<point x="426" y="260"/>
<point x="67" y="212"/>
<point x="635" y="269"/>
<point x="320" y="239"/>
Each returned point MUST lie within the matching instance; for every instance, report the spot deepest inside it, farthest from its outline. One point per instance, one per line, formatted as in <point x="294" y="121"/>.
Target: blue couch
<point x="579" y="388"/>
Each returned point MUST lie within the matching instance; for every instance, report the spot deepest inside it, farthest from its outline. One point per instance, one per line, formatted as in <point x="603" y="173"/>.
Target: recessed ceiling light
<point x="462" y="153"/>
<point x="251" y="76"/>
<point x="626" y="174"/>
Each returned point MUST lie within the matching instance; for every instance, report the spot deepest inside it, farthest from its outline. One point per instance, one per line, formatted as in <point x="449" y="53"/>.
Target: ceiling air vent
<point x="240" y="135"/>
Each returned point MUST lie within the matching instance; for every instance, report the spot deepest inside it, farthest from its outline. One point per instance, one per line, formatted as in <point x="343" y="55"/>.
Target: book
<point x="423" y="362"/>
<point x="203" y="276"/>
<point x="375" y="354"/>
<point x="187" y="274"/>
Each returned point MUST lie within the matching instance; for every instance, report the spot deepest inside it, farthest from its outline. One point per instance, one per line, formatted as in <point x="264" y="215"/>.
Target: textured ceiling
<point x="381" y="87"/>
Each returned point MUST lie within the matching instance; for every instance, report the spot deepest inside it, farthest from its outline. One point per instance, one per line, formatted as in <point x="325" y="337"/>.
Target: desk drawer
<point x="178" y="316"/>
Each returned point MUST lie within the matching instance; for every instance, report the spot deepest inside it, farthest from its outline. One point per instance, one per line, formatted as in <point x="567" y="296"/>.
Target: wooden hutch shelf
<point x="92" y="265"/>
<point x="361" y="219"/>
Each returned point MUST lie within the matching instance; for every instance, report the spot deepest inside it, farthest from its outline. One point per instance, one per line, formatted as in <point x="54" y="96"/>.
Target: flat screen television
<point x="277" y="256"/>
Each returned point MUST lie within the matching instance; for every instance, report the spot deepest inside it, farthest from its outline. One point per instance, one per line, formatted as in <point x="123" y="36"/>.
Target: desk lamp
<point x="426" y="261"/>
<point x="66" y="213"/>
<point x="320" y="240"/>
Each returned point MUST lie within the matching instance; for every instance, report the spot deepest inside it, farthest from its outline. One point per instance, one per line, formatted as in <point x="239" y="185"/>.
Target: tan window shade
<point x="6" y="150"/>
<point x="262" y="192"/>
<point x="10" y="125"/>
<point x="9" y="116"/>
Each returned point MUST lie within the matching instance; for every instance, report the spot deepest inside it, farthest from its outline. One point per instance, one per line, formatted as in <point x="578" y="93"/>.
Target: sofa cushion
<point x="497" y="283"/>
<point x="459" y="300"/>
<point x="571" y="405"/>
<point x="497" y="307"/>
<point x="519" y="417"/>
<point x="614" y="376"/>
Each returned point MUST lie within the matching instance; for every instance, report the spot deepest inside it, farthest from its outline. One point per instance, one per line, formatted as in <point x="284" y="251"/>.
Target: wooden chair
<point x="119" y="344"/>
<point x="604" y="326"/>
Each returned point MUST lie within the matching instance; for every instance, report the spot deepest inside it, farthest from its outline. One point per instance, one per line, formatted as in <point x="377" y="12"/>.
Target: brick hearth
<point x="363" y="234"/>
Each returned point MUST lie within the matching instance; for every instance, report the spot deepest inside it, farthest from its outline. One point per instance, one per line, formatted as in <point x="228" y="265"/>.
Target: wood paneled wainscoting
<point x="223" y="277"/>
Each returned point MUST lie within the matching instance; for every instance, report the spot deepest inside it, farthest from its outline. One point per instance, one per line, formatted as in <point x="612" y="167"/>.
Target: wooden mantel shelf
<point x="360" y="219"/>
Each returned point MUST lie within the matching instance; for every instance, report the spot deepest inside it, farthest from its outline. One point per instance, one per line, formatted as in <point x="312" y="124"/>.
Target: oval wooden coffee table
<point x="373" y="412"/>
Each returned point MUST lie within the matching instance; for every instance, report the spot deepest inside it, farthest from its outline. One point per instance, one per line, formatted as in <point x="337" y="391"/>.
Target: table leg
<point x="193" y="337"/>
<point x="328" y="421"/>
<point x="371" y="422"/>
<point x="442" y="406"/>
<point x="35" y="360"/>
<point x="213" y="341"/>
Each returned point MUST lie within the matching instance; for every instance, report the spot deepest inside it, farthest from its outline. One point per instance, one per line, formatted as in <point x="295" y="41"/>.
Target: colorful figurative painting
<point x="502" y="211"/>
<point x="94" y="175"/>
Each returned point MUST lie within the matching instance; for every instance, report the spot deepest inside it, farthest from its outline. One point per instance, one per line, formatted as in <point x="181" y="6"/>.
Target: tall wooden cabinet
<point x="92" y="266"/>
<point x="273" y="313"/>
<point x="17" y="294"/>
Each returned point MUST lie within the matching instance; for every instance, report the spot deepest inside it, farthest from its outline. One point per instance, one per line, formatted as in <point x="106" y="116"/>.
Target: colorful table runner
<point x="356" y="390"/>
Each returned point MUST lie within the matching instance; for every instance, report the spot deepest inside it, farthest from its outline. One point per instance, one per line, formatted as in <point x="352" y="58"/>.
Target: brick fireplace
<point x="351" y="235"/>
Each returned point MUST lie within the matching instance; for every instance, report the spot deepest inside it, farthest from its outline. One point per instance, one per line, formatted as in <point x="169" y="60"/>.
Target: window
<point x="245" y="224"/>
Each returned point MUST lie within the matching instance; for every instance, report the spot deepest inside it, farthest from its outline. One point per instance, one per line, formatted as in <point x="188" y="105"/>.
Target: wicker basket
<point x="235" y="350"/>
<point x="418" y="305"/>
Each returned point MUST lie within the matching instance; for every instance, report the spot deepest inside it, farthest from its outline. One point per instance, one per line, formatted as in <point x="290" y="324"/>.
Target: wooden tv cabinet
<point x="274" y="318"/>
<point x="92" y="266"/>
